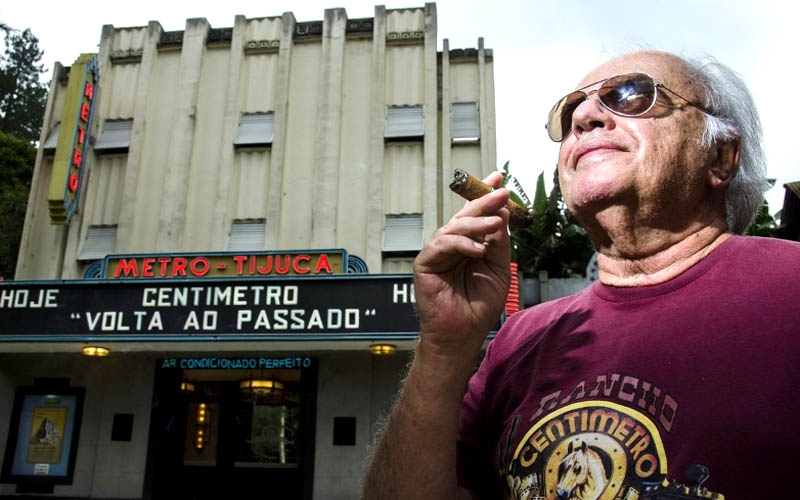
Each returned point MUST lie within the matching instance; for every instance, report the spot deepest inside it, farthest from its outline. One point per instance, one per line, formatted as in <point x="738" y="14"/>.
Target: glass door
<point x="238" y="433"/>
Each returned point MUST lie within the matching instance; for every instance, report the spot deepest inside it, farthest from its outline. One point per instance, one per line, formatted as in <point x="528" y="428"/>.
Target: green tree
<point x="764" y="224"/>
<point x="22" y="95"/>
<point x="555" y="242"/>
<point x="17" y="157"/>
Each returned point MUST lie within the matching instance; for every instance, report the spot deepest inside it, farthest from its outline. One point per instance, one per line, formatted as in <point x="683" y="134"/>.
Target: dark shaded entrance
<point x="232" y="433"/>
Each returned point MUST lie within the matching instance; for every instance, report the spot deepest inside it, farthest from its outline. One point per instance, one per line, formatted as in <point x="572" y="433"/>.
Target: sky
<point x="542" y="49"/>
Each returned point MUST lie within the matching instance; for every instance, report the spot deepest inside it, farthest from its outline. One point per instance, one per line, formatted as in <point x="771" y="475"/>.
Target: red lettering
<point x="282" y="269"/>
<point x="85" y="109"/>
<point x="668" y="412"/>
<point x="73" y="182"/>
<point x="627" y="391"/>
<point x="239" y="259"/>
<point x="296" y="264"/>
<point x="147" y="267"/>
<point x="126" y="267"/>
<point x="323" y="263"/>
<point x="77" y="157"/>
<point x="81" y="135"/>
<point x="176" y="266"/>
<point x="179" y="266"/>
<point x="268" y="268"/>
<point x="163" y="261"/>
<point x="88" y="91"/>
<point x="605" y="385"/>
<point x="547" y="403"/>
<point x="200" y="266"/>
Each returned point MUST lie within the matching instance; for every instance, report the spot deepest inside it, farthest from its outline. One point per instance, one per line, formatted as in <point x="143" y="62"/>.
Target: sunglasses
<point x="632" y="94"/>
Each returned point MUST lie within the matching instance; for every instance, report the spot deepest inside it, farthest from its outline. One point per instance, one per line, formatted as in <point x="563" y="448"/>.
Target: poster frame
<point x="30" y="402"/>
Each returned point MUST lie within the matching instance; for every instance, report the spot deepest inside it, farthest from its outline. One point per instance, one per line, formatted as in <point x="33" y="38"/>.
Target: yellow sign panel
<point x="73" y="140"/>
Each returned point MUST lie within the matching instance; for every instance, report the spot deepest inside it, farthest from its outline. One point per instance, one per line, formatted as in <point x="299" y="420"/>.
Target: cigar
<point x="470" y="187"/>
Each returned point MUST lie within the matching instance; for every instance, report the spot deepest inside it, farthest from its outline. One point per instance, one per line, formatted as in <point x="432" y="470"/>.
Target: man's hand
<point x="461" y="281"/>
<point x="461" y="277"/>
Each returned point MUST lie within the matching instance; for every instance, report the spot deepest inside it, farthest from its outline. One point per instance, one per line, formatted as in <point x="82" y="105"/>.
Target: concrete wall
<point x="351" y="385"/>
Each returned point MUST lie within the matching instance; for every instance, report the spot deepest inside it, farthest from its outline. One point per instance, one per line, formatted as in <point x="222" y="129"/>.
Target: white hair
<point x="734" y="115"/>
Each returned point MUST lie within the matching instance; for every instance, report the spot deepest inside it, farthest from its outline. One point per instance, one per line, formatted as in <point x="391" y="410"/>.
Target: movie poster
<point x="47" y="435"/>
<point x="43" y="434"/>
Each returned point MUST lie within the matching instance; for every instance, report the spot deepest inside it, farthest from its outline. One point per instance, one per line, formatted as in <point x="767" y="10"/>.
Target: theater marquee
<point x="344" y="306"/>
<point x="230" y="265"/>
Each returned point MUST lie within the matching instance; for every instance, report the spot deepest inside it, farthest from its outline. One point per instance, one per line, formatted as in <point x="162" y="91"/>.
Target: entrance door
<point x="233" y="433"/>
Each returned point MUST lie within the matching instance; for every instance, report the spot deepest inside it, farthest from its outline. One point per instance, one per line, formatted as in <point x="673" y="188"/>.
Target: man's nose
<point x="591" y="114"/>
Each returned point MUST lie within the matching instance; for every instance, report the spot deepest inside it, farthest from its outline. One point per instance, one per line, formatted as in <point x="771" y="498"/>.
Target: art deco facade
<point x="194" y="178"/>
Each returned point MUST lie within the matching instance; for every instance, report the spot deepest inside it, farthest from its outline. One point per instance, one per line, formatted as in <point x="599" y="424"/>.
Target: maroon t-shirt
<point x="613" y="392"/>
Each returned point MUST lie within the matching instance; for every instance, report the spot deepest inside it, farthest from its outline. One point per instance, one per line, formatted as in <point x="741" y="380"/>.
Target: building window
<point x="115" y="137"/>
<point x="404" y="123"/>
<point x="402" y="233"/>
<point x="247" y="235"/>
<point x="100" y="241"/>
<point x="464" y="122"/>
<point x="270" y="428"/>
<point x="52" y="139"/>
<point x="255" y="130"/>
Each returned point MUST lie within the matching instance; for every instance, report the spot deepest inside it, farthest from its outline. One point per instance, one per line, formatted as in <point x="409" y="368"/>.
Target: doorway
<point x="223" y="433"/>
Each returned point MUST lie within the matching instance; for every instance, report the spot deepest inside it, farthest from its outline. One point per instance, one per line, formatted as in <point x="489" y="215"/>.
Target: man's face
<point x="651" y="165"/>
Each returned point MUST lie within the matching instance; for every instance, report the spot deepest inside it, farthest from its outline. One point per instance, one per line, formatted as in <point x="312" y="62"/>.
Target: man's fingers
<point x="489" y="204"/>
<point x="476" y="227"/>
<point x="494" y="179"/>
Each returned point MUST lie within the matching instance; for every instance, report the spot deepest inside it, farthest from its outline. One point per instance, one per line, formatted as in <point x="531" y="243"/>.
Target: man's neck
<point x="627" y="263"/>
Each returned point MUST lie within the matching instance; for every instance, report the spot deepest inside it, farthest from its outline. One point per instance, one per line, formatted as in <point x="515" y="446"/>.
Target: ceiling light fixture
<point x="96" y="351"/>
<point x="261" y="386"/>
<point x="382" y="349"/>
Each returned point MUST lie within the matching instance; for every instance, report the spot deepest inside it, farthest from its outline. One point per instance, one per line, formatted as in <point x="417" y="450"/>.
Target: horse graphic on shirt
<point x="581" y="474"/>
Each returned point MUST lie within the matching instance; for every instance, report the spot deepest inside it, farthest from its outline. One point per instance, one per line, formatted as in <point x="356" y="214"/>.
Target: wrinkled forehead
<point x="665" y="68"/>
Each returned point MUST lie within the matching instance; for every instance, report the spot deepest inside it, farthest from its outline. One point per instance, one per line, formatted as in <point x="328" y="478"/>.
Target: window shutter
<point x="116" y="134"/>
<point x="100" y="241"/>
<point x="255" y="129"/>
<point x="247" y="236"/>
<point x="402" y="233"/>
<point x="465" y="124"/>
<point x="404" y="121"/>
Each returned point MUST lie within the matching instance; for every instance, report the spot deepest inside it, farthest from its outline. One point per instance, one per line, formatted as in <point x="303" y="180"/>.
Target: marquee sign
<point x="73" y="140"/>
<point x="336" y="307"/>
<point x="217" y="265"/>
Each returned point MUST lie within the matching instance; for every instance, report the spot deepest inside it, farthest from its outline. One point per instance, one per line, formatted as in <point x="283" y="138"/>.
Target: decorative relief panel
<point x="126" y="56"/>
<point x="171" y="40"/>
<point x="261" y="46"/>
<point x="405" y="37"/>
<point x="308" y="31"/>
<point x="463" y="55"/>
<point x="220" y="36"/>
<point x="360" y="28"/>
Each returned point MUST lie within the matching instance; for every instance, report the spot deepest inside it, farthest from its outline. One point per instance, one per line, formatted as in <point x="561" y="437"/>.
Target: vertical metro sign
<point x="73" y="139"/>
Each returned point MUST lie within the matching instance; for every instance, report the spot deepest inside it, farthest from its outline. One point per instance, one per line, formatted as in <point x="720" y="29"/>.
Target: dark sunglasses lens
<point x="629" y="95"/>
<point x="559" y="123"/>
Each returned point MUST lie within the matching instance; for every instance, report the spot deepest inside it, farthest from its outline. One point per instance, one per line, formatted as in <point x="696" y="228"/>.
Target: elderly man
<point x="681" y="365"/>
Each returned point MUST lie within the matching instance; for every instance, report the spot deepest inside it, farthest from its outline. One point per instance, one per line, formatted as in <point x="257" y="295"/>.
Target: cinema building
<point x="230" y="216"/>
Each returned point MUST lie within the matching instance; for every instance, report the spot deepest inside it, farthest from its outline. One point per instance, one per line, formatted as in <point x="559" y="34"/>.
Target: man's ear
<point x="725" y="164"/>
